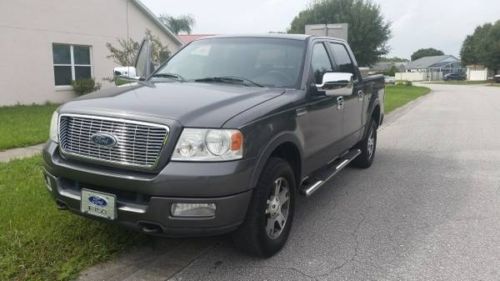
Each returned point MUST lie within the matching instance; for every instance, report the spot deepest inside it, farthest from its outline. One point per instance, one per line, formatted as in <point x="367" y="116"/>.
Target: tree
<point x="368" y="31"/>
<point x="392" y="71"/>
<point x="178" y="24"/>
<point x="393" y="59"/>
<point x="127" y="50"/>
<point x="426" y="53"/>
<point x="483" y="47"/>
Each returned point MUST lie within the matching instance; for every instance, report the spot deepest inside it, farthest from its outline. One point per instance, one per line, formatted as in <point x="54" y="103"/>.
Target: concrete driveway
<point x="428" y="209"/>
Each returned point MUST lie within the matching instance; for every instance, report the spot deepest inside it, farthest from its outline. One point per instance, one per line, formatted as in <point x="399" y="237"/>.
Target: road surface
<point x="428" y="209"/>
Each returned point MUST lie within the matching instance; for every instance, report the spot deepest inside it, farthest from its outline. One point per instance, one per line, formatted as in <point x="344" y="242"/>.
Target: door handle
<point x="360" y="95"/>
<point x="301" y="111"/>
<point x="340" y="103"/>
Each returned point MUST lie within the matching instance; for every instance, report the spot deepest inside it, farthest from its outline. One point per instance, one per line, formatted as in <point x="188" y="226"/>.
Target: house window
<point x="71" y="62"/>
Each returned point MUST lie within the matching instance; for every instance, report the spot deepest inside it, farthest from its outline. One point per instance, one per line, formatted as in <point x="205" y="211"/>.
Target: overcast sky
<point x="442" y="24"/>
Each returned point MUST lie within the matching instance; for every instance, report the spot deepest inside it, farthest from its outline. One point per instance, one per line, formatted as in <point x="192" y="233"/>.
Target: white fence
<point x="411" y="76"/>
<point x="477" y="75"/>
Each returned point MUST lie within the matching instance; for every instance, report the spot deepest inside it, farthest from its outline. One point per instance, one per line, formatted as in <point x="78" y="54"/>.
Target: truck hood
<point x="191" y="104"/>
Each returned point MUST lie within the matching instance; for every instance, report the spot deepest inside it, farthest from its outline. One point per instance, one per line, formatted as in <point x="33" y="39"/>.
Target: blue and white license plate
<point x="98" y="204"/>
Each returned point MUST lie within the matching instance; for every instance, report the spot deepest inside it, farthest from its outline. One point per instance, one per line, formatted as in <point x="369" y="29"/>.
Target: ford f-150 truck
<point x="222" y="137"/>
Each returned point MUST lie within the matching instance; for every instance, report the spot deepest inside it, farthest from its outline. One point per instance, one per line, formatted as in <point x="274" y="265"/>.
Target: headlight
<point x="209" y="145"/>
<point x="54" y="127"/>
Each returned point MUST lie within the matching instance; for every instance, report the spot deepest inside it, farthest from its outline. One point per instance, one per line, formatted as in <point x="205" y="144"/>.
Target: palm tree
<point x="178" y="24"/>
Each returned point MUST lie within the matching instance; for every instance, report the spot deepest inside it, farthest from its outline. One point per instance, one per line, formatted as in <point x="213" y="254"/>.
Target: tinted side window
<point x="342" y="59"/>
<point x="320" y="62"/>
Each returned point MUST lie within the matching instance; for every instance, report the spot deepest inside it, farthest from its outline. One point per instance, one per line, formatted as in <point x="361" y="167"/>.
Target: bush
<point x="404" y="83"/>
<point x="85" y="86"/>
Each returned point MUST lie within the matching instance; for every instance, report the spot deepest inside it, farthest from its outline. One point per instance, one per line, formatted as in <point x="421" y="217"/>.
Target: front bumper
<point x="144" y="200"/>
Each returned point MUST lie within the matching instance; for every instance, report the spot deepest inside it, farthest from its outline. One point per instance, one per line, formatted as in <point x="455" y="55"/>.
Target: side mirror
<point x="144" y="63"/>
<point x="124" y="75"/>
<point x="336" y="84"/>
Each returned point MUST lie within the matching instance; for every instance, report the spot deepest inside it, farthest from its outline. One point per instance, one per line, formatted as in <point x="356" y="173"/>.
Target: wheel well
<point x="290" y="153"/>
<point x="376" y="115"/>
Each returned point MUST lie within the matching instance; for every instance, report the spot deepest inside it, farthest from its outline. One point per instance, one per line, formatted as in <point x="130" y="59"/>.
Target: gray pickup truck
<point x="220" y="138"/>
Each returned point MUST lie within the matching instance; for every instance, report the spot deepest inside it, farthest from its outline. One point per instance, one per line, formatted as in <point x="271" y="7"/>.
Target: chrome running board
<point x="325" y="174"/>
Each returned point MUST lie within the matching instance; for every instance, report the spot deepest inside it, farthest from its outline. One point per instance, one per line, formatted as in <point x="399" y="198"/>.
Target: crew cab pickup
<point x="220" y="138"/>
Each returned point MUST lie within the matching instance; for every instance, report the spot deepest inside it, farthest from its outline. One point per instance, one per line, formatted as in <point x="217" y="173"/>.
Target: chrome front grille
<point x="138" y="144"/>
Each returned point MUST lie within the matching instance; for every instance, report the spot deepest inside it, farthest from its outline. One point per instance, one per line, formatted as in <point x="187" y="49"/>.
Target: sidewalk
<point x="22" y="152"/>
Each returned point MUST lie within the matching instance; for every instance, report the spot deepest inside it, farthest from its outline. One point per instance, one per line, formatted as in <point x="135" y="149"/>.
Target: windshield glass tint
<point x="266" y="61"/>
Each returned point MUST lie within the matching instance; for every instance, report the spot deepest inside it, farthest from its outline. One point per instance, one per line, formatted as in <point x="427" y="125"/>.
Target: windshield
<point x="269" y="62"/>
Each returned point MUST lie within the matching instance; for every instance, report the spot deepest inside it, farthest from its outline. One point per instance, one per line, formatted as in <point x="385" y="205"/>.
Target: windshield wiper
<point x="169" y="75"/>
<point x="229" y="79"/>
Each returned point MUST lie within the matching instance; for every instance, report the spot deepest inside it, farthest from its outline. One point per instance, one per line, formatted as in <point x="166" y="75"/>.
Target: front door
<point x="321" y="122"/>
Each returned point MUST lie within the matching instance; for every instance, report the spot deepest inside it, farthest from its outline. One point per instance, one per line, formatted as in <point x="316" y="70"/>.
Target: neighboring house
<point x="431" y="68"/>
<point x="444" y="63"/>
<point x="188" y="38"/>
<point x="47" y="44"/>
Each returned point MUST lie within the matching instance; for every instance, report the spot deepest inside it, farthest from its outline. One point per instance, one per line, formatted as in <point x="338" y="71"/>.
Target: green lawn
<point x="39" y="242"/>
<point x="24" y="125"/>
<point x="396" y="96"/>
<point x="455" y="82"/>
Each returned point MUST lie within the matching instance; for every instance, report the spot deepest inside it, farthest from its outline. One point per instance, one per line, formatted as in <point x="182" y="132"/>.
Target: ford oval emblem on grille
<point x="104" y="139"/>
<point x="98" y="201"/>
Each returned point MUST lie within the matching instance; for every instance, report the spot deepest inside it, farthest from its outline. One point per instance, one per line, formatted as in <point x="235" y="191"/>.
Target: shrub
<point x="404" y="83"/>
<point x="85" y="86"/>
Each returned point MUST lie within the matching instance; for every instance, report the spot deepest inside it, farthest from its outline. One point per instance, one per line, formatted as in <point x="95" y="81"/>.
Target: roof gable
<point x="427" y="62"/>
<point x="188" y="38"/>
<point x="156" y="21"/>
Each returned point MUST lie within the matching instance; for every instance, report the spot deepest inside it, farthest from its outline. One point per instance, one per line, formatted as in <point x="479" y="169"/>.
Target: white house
<point x="47" y="44"/>
<point x="430" y="68"/>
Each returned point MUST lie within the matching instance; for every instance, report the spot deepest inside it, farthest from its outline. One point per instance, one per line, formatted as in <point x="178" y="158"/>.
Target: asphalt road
<point x="428" y="209"/>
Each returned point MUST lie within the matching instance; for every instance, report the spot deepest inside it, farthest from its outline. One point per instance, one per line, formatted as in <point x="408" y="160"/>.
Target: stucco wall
<point x="29" y="27"/>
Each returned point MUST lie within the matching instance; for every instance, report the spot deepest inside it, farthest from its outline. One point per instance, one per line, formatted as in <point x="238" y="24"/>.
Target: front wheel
<point x="368" y="147"/>
<point x="270" y="213"/>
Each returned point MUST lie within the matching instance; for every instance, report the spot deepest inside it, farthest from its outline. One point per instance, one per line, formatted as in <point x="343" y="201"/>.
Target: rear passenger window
<point x="320" y="62"/>
<point x="342" y="59"/>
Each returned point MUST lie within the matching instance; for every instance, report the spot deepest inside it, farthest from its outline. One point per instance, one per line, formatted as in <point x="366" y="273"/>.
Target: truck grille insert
<point x="126" y="143"/>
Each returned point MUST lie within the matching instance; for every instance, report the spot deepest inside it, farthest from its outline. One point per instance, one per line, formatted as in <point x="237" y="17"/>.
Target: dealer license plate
<point x="98" y="204"/>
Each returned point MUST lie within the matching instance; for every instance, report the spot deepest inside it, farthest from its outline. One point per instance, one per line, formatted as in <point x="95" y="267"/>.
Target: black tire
<point x="365" y="159"/>
<point x="252" y="237"/>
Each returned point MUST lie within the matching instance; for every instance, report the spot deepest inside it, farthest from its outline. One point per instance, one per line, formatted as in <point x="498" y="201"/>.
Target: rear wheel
<point x="368" y="147"/>
<point x="270" y="213"/>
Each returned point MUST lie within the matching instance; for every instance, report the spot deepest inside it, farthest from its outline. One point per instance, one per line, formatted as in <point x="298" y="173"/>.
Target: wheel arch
<point x="285" y="146"/>
<point x="376" y="114"/>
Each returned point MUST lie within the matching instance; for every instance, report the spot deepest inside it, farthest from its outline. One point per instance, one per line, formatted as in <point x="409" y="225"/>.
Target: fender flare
<point x="285" y="137"/>
<point x="371" y="111"/>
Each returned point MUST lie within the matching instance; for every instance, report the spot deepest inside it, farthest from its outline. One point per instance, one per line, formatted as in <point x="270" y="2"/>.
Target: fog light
<point x="48" y="183"/>
<point x="193" y="209"/>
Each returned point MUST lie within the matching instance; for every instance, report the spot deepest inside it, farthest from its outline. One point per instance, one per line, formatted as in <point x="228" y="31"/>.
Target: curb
<point x="402" y="110"/>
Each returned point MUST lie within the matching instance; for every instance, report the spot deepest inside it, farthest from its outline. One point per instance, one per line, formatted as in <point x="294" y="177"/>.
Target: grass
<point x="39" y="242"/>
<point x="24" y="125"/>
<point x="399" y="95"/>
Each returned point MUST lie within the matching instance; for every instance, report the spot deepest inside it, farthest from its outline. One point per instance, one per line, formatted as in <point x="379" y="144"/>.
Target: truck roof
<point x="269" y="35"/>
<point x="301" y="37"/>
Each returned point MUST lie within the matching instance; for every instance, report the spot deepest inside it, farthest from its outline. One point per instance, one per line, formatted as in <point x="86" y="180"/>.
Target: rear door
<point x="353" y="104"/>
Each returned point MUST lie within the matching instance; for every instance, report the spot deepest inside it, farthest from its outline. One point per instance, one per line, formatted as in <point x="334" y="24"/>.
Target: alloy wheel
<point x="278" y="207"/>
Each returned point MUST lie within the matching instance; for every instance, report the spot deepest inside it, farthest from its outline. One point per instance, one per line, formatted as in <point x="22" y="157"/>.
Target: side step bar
<point x="324" y="175"/>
